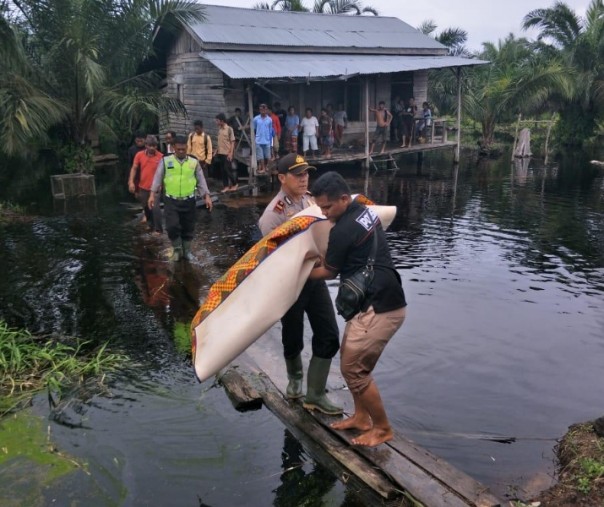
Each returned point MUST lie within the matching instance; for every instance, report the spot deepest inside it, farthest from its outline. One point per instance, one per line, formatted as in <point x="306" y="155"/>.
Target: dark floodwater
<point x="504" y="272"/>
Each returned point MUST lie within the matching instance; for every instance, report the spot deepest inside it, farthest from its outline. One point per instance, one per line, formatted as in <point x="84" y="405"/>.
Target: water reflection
<point x="503" y="265"/>
<point x="299" y="487"/>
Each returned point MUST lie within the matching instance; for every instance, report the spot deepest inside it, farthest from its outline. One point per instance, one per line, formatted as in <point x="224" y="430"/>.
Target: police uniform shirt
<point x="280" y="210"/>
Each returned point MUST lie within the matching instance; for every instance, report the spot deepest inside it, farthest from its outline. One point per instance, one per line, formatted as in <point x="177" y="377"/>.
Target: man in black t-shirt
<point x="368" y="332"/>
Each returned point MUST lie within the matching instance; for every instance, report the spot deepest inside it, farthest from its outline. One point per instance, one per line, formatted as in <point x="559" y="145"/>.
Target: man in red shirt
<point x="145" y="164"/>
<point x="276" y="130"/>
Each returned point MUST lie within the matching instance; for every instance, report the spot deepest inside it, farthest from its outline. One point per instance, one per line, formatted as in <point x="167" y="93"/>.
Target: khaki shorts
<point x="365" y="337"/>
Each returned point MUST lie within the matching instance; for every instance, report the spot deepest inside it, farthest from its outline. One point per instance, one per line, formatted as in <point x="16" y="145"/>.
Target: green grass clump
<point x="29" y="364"/>
<point x="10" y="211"/>
<point x="591" y="470"/>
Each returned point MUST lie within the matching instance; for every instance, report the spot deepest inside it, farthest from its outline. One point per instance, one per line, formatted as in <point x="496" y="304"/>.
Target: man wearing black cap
<point x="314" y="298"/>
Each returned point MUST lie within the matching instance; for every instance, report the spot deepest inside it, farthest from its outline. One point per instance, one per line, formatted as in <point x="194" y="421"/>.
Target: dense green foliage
<point x="561" y="72"/>
<point x="578" y="44"/>
<point x="71" y="67"/>
<point x="71" y="70"/>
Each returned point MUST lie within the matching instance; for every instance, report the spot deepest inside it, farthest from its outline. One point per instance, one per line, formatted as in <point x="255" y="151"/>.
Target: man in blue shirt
<point x="263" y="127"/>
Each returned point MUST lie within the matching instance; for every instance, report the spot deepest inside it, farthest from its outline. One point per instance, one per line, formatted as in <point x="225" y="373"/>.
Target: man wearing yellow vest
<point x="180" y="175"/>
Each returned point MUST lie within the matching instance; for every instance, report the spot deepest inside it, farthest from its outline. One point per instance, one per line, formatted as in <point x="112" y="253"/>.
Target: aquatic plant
<point x="29" y="364"/>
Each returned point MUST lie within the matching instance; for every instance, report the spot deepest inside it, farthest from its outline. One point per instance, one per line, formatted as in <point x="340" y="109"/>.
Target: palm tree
<point x="516" y="79"/>
<point x="283" y="5"/>
<point x="343" y="7"/>
<point x="320" y="6"/>
<point x="82" y="67"/>
<point x="442" y="83"/>
<point x="579" y="44"/>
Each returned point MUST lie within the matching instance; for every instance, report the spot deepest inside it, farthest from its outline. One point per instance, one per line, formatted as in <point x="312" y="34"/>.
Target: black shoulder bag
<point x="353" y="290"/>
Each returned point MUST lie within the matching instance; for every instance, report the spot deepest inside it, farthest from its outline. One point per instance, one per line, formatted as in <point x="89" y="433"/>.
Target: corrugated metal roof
<point x="255" y="65"/>
<point x="231" y="25"/>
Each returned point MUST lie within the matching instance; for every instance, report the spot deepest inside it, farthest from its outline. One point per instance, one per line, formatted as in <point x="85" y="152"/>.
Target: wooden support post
<point x="516" y="136"/>
<point x="458" y="147"/>
<point x="253" y="161"/>
<point x="549" y="129"/>
<point x="366" y="109"/>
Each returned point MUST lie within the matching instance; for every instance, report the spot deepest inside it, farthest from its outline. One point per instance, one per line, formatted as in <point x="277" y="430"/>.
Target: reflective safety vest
<point x="179" y="177"/>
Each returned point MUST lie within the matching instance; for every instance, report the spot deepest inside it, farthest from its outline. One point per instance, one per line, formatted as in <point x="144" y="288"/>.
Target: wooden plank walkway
<point x="399" y="467"/>
<point x="358" y="155"/>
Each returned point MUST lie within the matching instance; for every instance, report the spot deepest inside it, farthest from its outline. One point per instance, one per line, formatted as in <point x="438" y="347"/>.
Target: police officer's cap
<point x="293" y="164"/>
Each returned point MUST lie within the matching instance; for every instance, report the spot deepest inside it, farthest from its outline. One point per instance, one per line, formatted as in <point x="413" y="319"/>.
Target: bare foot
<point x="353" y="423"/>
<point x="225" y="189"/>
<point x="233" y="188"/>
<point x="373" y="437"/>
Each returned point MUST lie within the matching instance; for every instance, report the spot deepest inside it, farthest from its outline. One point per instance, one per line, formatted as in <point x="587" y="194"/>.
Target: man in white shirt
<point x="309" y="125"/>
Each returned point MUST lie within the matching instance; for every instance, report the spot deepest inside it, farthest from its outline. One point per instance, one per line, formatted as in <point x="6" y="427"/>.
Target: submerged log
<point x="242" y="395"/>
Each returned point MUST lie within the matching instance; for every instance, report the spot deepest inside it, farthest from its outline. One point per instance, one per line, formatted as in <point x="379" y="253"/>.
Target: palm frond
<point x="427" y="27"/>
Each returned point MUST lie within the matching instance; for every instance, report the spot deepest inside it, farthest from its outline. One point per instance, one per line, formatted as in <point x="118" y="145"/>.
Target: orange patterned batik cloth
<point x="228" y="282"/>
<point x="239" y="271"/>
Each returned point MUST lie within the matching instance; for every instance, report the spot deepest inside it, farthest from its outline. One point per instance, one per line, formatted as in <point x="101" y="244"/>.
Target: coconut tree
<point x="83" y="56"/>
<point x="579" y="44"/>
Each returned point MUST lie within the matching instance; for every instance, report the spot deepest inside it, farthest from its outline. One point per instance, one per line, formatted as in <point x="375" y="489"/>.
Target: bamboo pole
<point x="516" y="136"/>
<point x="253" y="162"/>
<point x="366" y="108"/>
<point x="549" y="129"/>
<point x="458" y="146"/>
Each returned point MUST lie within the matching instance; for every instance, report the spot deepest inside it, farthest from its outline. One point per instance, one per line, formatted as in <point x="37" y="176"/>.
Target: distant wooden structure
<point x="64" y="186"/>
<point x="242" y="57"/>
<point x="525" y="150"/>
<point x="398" y="473"/>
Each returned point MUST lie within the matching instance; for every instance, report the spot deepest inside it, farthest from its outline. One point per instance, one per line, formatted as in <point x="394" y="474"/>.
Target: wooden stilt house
<point x="239" y="58"/>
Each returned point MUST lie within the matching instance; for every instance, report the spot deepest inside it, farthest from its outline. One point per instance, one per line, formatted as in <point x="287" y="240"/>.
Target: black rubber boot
<point x="295" y="375"/>
<point x="318" y="370"/>
<point x="186" y="251"/>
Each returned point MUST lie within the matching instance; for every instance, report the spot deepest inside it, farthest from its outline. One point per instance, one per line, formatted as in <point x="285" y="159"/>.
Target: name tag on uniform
<point x="170" y="164"/>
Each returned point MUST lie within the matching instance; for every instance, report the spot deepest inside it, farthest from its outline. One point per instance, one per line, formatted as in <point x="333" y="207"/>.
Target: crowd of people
<point x="180" y="175"/>
<point x="278" y="131"/>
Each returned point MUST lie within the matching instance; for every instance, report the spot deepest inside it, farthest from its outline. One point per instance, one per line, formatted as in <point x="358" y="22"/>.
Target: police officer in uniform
<point x="180" y="175"/>
<point x="314" y="298"/>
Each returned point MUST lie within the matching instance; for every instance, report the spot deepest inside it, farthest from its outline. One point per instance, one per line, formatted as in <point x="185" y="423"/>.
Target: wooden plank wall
<point x="202" y="86"/>
<point x="420" y="87"/>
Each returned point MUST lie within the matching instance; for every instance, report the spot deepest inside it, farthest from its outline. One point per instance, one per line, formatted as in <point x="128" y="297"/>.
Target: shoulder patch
<point x="367" y="219"/>
<point x="279" y="207"/>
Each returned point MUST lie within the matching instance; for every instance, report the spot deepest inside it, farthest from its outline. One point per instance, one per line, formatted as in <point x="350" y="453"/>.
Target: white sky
<point x="484" y="20"/>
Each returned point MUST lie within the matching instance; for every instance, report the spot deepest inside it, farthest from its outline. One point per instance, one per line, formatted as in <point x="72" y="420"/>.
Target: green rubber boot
<point x="176" y="253"/>
<point x="186" y="251"/>
<point x="295" y="375"/>
<point x="318" y="370"/>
